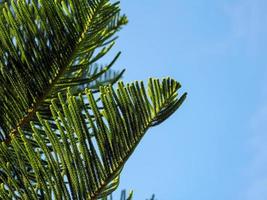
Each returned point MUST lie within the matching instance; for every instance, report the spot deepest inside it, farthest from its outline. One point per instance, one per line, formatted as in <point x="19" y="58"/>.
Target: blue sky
<point x="215" y="146"/>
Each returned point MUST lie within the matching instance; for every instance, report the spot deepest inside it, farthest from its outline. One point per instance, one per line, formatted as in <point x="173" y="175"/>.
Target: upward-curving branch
<point x="65" y="132"/>
<point x="44" y="46"/>
<point x="91" y="146"/>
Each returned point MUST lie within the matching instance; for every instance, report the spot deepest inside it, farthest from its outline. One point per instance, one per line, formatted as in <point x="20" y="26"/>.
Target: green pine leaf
<point x="47" y="46"/>
<point x="84" y="159"/>
<point x="65" y="131"/>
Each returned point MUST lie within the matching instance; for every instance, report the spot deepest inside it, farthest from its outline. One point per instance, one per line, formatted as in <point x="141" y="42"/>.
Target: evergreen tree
<point x="67" y="123"/>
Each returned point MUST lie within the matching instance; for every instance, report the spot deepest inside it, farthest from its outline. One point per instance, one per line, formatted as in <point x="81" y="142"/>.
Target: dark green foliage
<point x="46" y="47"/>
<point x="66" y="131"/>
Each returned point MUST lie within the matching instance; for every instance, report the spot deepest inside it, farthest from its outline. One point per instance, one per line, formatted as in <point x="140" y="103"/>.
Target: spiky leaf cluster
<point x="66" y="131"/>
<point x="46" y="46"/>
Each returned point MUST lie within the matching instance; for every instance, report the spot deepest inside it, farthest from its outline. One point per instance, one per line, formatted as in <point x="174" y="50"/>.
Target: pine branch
<point x="71" y="37"/>
<point x="92" y="145"/>
<point x="65" y="132"/>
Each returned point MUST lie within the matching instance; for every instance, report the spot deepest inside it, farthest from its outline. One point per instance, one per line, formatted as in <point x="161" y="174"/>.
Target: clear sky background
<point x="215" y="146"/>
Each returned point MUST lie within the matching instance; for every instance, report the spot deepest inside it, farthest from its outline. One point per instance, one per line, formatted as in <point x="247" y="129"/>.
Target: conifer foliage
<point x="67" y="123"/>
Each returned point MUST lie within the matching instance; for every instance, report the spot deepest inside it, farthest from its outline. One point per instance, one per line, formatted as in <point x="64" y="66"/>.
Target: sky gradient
<point x="215" y="146"/>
